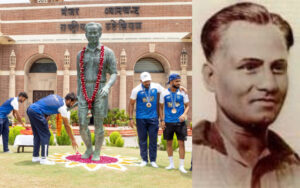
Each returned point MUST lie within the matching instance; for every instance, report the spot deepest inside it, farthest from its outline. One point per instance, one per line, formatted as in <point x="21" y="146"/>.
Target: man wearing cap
<point x="37" y="112"/>
<point x="146" y="96"/>
<point x="11" y="104"/>
<point x="174" y="106"/>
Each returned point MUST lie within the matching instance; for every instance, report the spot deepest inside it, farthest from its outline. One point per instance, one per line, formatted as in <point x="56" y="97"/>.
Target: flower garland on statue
<point x="82" y="79"/>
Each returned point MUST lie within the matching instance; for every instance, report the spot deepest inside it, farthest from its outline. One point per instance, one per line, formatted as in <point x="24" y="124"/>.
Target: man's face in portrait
<point x="250" y="73"/>
<point x="92" y="34"/>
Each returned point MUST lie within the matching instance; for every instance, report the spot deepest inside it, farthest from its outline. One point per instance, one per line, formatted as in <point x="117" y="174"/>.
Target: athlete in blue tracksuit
<point x="52" y="104"/>
<point x="145" y="96"/>
<point x="11" y="104"/>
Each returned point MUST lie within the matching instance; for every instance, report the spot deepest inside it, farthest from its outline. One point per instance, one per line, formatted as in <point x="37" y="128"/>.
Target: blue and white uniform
<point x="173" y="100"/>
<point x="147" y="118"/>
<point x="52" y="104"/>
<point x="8" y="106"/>
<point x="142" y="95"/>
<point x="5" y="109"/>
<point x="174" y="106"/>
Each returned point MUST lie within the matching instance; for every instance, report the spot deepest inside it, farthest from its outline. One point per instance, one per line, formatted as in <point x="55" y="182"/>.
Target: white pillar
<point x="183" y="61"/>
<point x="122" y="92"/>
<point x="184" y="76"/>
<point x="66" y="83"/>
<point x="12" y="74"/>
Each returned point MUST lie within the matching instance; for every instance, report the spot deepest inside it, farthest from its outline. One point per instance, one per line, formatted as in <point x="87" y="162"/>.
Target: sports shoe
<point x="46" y="162"/>
<point x="8" y="151"/>
<point x="36" y="159"/>
<point x="170" y="167"/>
<point x="153" y="164"/>
<point x="143" y="163"/>
<point x="181" y="169"/>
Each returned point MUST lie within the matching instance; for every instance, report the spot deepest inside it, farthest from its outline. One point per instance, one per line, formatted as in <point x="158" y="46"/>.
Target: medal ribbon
<point x="147" y="96"/>
<point x="173" y="101"/>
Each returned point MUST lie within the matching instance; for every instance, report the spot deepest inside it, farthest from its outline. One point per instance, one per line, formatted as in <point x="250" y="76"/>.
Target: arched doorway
<point x="154" y="67"/>
<point x="40" y="78"/>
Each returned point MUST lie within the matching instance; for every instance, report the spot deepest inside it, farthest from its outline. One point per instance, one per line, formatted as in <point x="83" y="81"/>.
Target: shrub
<point x="175" y="142"/>
<point x="114" y="136"/>
<point x="64" y="138"/>
<point x="52" y="121"/>
<point x="116" y="116"/>
<point x="74" y="116"/>
<point x="13" y="133"/>
<point x="115" y="139"/>
<point x="120" y="142"/>
<point x="51" y="142"/>
<point x="107" y="142"/>
<point x="163" y="144"/>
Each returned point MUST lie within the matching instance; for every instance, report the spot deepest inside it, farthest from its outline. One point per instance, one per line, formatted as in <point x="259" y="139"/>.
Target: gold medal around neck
<point x="174" y="111"/>
<point x="148" y="105"/>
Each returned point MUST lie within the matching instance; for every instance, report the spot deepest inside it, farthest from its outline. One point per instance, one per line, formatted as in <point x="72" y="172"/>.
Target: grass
<point x="17" y="170"/>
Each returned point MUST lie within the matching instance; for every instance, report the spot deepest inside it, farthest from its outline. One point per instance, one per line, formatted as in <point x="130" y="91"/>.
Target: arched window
<point x="149" y="65"/>
<point x="44" y="65"/>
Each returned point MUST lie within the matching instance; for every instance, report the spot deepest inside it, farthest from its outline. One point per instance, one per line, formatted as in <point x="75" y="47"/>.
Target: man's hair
<point x="23" y="94"/>
<point x="71" y="96"/>
<point x="248" y="12"/>
<point x="91" y="24"/>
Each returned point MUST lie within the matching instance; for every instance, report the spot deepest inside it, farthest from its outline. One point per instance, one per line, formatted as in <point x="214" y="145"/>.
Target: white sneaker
<point x="181" y="169"/>
<point x="170" y="167"/>
<point x="143" y="163"/>
<point x="8" y="151"/>
<point x="36" y="159"/>
<point x="46" y="162"/>
<point x="154" y="164"/>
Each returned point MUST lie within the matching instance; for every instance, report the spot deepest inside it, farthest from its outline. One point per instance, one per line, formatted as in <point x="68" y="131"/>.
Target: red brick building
<point x="39" y="42"/>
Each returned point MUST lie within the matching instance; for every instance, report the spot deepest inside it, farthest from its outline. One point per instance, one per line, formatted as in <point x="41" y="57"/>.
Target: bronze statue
<point x="93" y="63"/>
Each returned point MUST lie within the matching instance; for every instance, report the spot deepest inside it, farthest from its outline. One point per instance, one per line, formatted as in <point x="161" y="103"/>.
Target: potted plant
<point x="109" y="118"/>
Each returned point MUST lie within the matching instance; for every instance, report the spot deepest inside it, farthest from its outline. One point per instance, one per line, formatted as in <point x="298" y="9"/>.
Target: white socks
<point x="181" y="166"/>
<point x="181" y="162"/>
<point x="171" y="166"/>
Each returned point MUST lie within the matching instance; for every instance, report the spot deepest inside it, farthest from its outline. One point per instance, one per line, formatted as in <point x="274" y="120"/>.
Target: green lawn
<point x="17" y="170"/>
